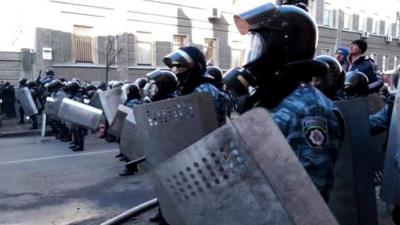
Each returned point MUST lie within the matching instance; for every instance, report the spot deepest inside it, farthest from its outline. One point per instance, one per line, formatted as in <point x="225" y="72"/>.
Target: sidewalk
<point x="11" y="128"/>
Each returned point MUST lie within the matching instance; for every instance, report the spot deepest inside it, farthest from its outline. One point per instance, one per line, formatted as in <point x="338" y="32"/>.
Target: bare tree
<point x="110" y="52"/>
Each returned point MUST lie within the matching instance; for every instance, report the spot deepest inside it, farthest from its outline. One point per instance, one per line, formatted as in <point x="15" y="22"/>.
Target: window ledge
<point x="147" y="67"/>
<point x="83" y="65"/>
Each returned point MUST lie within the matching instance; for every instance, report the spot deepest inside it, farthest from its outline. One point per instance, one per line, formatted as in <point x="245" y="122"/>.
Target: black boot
<point x="396" y="214"/>
<point x="158" y="218"/>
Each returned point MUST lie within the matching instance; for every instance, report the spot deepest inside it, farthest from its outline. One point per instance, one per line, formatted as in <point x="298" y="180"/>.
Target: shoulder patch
<point x="315" y="130"/>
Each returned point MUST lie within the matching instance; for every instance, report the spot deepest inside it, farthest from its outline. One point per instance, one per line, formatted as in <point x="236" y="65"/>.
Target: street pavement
<point x="43" y="182"/>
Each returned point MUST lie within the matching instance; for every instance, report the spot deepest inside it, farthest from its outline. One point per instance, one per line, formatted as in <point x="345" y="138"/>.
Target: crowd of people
<point x="280" y="74"/>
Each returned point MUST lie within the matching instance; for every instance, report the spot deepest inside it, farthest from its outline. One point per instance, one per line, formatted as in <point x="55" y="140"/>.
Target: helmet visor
<point x="254" y="47"/>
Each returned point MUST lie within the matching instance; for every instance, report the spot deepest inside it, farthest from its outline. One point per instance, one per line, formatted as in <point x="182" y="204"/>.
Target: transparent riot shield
<point x="24" y="96"/>
<point x="119" y="118"/>
<point x="242" y="173"/>
<point x="110" y="100"/>
<point x="167" y="127"/>
<point x="79" y="113"/>
<point x="390" y="189"/>
<point x="353" y="200"/>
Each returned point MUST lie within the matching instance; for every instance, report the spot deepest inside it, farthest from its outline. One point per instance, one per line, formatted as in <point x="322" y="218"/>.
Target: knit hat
<point x="361" y="44"/>
<point x="343" y="51"/>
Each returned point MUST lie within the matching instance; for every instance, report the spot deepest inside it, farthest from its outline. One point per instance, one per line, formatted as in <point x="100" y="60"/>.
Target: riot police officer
<point x="162" y="85"/>
<point x="34" y="92"/>
<point x="22" y="84"/>
<point x="133" y="96"/>
<point x="330" y="83"/>
<point x="77" y="131"/>
<point x="189" y="65"/>
<point x="356" y="85"/>
<point x="55" y="89"/>
<point x="279" y="67"/>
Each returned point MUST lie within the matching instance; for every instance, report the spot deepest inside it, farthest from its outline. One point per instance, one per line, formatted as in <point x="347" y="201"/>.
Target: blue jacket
<point x="220" y="99"/>
<point x="364" y="65"/>
<point x="310" y="124"/>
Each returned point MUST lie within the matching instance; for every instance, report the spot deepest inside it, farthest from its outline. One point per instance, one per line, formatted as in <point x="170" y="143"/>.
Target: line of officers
<point x="280" y="74"/>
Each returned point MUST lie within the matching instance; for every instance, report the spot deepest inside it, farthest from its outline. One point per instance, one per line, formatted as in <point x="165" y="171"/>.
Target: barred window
<point x="144" y="49"/>
<point x="179" y="40"/>
<point x="83" y="44"/>
<point x="211" y="51"/>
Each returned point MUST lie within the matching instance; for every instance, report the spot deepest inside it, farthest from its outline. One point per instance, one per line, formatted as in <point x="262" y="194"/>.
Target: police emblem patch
<point x="315" y="130"/>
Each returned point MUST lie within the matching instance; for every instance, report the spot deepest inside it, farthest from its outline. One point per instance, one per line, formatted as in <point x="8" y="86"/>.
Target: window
<point x="384" y="59"/>
<point x="326" y="51"/>
<point x="372" y="56"/>
<point x="179" y="40"/>
<point x="237" y="54"/>
<point x="83" y="44"/>
<point x="348" y="19"/>
<point x="376" y="27"/>
<point x="328" y="18"/>
<point x="144" y="46"/>
<point x="211" y="51"/>
<point x="396" y="60"/>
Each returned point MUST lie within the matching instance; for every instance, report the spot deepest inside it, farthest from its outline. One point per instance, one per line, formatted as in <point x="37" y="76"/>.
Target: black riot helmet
<point x="356" y="84"/>
<point x="141" y="82"/>
<point x="54" y="85"/>
<point x="280" y="39"/>
<point x="163" y="84"/>
<point x="216" y="74"/>
<point x="49" y="72"/>
<point x="132" y="91"/>
<point x="332" y="81"/>
<point x="189" y="65"/>
<point x="22" y="81"/>
<point x="90" y="87"/>
<point x="299" y="3"/>
<point x="72" y="87"/>
<point x="31" y="84"/>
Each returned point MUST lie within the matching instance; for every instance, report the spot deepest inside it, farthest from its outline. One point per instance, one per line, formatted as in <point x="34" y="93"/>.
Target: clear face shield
<point x="150" y="89"/>
<point x="239" y="79"/>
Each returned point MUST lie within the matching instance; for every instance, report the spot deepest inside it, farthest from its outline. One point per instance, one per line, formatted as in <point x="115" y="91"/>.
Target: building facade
<point x="80" y="38"/>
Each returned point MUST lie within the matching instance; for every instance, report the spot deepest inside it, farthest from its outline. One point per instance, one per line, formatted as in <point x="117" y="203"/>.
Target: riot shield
<point x="167" y="127"/>
<point x="376" y="103"/>
<point x="110" y="100"/>
<point x="119" y="118"/>
<point x="390" y="189"/>
<point x="352" y="199"/>
<point x="128" y="140"/>
<point x="95" y="101"/>
<point x="52" y="105"/>
<point x="79" y="113"/>
<point x="24" y="96"/>
<point x="242" y="173"/>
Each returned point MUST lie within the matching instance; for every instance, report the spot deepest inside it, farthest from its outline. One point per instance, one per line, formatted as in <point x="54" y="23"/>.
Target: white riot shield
<point x="24" y="97"/>
<point x="353" y="200"/>
<point x="242" y="173"/>
<point x="79" y="113"/>
<point x="110" y="100"/>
